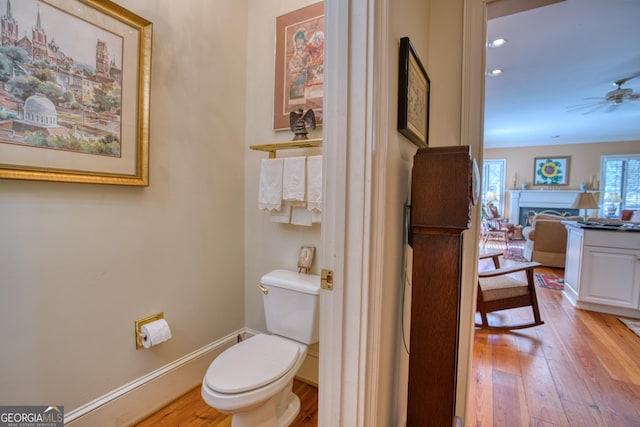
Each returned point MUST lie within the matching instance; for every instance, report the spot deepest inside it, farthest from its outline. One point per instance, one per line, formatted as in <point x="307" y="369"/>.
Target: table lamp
<point x="585" y="201"/>
<point x="490" y="196"/>
<point x="613" y="199"/>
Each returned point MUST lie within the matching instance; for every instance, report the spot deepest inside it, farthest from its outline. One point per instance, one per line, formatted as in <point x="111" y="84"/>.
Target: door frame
<point x="346" y="396"/>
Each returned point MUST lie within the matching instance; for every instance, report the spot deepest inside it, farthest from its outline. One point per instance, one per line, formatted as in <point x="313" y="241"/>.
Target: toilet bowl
<point x="253" y="380"/>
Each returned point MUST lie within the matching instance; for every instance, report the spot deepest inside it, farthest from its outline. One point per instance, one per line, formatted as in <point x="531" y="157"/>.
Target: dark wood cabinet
<point x="441" y="193"/>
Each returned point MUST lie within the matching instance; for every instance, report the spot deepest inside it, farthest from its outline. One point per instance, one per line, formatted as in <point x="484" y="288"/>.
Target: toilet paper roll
<point x="155" y="333"/>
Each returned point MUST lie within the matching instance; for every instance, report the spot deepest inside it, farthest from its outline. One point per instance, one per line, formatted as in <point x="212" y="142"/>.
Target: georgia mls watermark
<point x="32" y="416"/>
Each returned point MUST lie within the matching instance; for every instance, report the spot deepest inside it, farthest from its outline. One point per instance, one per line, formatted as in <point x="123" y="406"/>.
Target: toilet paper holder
<point x="139" y="323"/>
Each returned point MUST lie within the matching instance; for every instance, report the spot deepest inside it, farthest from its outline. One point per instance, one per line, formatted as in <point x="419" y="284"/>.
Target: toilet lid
<point x="251" y="364"/>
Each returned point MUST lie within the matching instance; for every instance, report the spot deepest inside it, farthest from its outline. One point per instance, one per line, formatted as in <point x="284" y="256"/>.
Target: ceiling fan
<point x="612" y="98"/>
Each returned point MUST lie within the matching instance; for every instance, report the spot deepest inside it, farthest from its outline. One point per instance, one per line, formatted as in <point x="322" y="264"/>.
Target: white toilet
<point x="253" y="379"/>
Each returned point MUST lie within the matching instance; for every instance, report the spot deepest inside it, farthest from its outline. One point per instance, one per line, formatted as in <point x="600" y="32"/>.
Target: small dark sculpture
<point x="299" y="123"/>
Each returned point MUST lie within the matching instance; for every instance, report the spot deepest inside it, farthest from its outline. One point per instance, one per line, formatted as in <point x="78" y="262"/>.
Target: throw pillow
<point x="636" y="216"/>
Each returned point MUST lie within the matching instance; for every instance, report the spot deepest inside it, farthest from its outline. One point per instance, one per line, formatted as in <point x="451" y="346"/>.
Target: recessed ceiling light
<point x="495" y="73"/>
<point x="497" y="43"/>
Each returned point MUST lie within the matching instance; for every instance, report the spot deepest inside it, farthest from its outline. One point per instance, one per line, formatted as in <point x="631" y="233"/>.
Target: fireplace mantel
<point x="548" y="199"/>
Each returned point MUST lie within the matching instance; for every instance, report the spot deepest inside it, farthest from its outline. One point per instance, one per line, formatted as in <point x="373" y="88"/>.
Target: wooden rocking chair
<point x="499" y="291"/>
<point x="493" y="225"/>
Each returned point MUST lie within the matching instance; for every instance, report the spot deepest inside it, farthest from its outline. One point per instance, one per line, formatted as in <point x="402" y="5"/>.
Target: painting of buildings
<point x="60" y="80"/>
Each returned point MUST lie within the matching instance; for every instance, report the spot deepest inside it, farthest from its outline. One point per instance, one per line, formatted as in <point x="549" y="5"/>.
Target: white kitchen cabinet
<point x="602" y="270"/>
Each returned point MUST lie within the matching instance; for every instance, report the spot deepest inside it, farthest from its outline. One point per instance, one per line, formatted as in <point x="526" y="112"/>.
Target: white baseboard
<point x="145" y="395"/>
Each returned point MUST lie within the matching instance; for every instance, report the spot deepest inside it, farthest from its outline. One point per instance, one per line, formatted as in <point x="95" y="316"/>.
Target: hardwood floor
<point x="580" y="368"/>
<point x="191" y="411"/>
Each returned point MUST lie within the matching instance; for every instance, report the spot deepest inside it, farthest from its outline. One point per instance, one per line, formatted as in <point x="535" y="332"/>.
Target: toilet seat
<point x="251" y="364"/>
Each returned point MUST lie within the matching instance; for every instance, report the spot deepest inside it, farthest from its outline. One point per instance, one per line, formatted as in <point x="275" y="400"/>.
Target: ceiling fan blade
<point x="596" y="108"/>
<point x="578" y="107"/>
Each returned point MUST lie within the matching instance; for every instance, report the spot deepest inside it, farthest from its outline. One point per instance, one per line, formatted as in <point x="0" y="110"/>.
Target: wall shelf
<point x="287" y="145"/>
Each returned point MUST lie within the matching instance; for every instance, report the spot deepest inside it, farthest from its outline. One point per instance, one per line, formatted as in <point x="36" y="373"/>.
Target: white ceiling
<point x="557" y="57"/>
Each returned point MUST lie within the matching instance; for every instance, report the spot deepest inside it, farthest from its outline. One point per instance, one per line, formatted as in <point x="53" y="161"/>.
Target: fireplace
<point x="557" y="202"/>
<point x="523" y="218"/>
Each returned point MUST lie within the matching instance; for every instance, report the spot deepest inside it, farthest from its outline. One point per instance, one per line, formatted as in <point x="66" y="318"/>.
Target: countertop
<point x="605" y="226"/>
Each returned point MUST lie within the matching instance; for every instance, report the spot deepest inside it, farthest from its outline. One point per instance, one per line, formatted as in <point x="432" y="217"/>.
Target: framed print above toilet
<point x="299" y="64"/>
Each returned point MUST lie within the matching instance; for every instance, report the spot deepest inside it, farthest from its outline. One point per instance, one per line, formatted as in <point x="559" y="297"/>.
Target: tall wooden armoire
<point x="442" y="186"/>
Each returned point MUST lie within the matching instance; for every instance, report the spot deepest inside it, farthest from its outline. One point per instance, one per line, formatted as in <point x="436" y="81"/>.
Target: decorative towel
<point x="270" y="190"/>
<point x="314" y="183"/>
<point x="316" y="217"/>
<point x="283" y="215"/>
<point x="301" y="216"/>
<point x="293" y="180"/>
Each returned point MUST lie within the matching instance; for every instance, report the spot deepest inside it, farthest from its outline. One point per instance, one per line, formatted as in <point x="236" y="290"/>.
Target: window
<point x="620" y="186"/>
<point x="494" y="173"/>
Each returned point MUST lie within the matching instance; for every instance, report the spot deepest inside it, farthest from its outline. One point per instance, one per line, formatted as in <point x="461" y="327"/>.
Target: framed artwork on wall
<point x="76" y="106"/>
<point x="305" y="258"/>
<point x="551" y="170"/>
<point x="413" y="95"/>
<point x="299" y="64"/>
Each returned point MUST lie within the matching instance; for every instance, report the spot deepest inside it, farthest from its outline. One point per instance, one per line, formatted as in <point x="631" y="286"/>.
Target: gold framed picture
<point x="299" y="64"/>
<point x="76" y="107"/>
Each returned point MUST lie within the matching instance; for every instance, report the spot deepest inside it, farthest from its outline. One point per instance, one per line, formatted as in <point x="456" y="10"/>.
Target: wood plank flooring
<point x="191" y="411"/>
<point x="580" y="368"/>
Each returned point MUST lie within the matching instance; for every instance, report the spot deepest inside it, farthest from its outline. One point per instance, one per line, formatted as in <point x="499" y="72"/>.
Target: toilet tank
<point x="291" y="304"/>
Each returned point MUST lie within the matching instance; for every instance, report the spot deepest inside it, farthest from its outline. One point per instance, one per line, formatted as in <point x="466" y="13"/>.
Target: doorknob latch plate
<point x="326" y="279"/>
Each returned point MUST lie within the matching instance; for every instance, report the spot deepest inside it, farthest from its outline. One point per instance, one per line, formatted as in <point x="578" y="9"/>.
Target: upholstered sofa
<point x="546" y="239"/>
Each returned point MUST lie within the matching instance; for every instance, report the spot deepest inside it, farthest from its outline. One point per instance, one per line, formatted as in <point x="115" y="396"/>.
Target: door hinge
<point x="326" y="279"/>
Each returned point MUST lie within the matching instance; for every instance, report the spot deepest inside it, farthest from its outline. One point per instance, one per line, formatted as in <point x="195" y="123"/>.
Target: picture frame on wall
<point x="413" y="95"/>
<point x="77" y="107"/>
<point x="551" y="170"/>
<point x="299" y="64"/>
<point x="305" y="258"/>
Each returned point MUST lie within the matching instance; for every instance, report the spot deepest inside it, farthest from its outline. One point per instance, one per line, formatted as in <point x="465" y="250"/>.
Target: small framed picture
<point x="305" y="258"/>
<point x="413" y="96"/>
<point x="551" y="171"/>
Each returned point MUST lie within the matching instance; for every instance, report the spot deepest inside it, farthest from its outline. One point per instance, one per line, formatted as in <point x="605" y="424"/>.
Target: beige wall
<point x="79" y="263"/>
<point x="445" y="69"/>
<point x="584" y="164"/>
<point x="268" y="245"/>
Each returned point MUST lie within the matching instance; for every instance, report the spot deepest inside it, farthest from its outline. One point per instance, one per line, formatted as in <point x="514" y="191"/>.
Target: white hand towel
<point x="270" y="190"/>
<point x="314" y="183"/>
<point x="294" y="179"/>
<point x="301" y="216"/>
<point x="283" y="215"/>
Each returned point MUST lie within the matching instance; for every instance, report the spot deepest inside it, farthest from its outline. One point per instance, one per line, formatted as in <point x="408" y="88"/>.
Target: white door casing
<point x="348" y="140"/>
